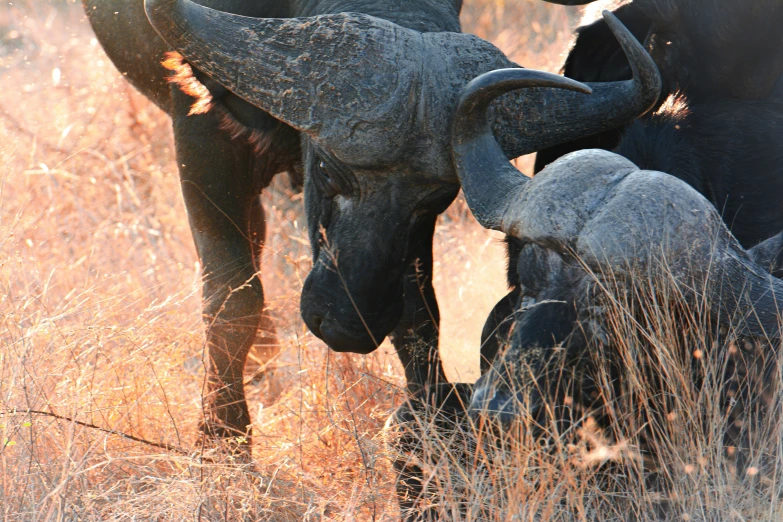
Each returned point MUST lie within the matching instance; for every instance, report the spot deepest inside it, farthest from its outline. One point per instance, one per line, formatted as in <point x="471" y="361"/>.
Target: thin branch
<point x="167" y="447"/>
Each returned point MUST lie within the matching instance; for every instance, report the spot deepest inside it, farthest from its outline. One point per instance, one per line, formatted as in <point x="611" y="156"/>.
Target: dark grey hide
<point x="716" y="126"/>
<point x="362" y="104"/>
<point x="717" y="123"/>
<point x="592" y="217"/>
<point x="228" y="155"/>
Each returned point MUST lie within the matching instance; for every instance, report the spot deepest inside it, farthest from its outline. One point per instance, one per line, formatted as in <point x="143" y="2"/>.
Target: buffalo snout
<point x="499" y="405"/>
<point x="348" y="320"/>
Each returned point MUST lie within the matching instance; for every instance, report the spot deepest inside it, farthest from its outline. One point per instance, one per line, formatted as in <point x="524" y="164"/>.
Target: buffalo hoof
<point x="218" y="439"/>
<point x="227" y="452"/>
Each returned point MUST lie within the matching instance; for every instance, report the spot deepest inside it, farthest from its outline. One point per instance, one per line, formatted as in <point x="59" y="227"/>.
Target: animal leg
<point x="266" y="346"/>
<point x="416" y="336"/>
<point x="219" y="189"/>
<point x="409" y="438"/>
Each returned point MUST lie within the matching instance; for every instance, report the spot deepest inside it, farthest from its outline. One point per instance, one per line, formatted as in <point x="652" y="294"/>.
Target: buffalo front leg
<point x="415" y="337"/>
<point x="219" y="188"/>
<point x="409" y="438"/>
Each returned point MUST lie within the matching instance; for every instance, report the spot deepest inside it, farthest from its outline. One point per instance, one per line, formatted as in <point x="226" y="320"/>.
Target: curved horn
<point x="553" y="118"/>
<point x="311" y="73"/>
<point x="488" y="180"/>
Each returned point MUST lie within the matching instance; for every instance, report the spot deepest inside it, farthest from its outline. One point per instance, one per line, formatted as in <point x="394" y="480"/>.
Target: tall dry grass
<point x="100" y="308"/>
<point x="665" y="415"/>
<point x="100" y="320"/>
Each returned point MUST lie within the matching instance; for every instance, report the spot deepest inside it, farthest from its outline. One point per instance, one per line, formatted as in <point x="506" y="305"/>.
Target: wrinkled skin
<point x="593" y="220"/>
<point x="598" y="234"/>
<point x="379" y="173"/>
<point x="720" y="135"/>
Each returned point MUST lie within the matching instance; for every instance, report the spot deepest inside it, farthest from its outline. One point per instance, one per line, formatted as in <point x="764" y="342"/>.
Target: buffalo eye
<point x="324" y="172"/>
<point x="325" y="180"/>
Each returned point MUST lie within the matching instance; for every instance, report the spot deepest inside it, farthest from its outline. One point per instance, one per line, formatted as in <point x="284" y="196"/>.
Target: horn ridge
<point x="311" y="73"/>
<point x="557" y="117"/>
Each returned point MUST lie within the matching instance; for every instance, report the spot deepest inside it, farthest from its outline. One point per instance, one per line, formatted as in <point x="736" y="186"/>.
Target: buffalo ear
<point x="596" y="56"/>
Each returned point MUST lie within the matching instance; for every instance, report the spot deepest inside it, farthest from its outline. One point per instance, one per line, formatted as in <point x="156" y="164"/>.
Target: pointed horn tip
<point x="632" y="48"/>
<point x="613" y="22"/>
<point x="606" y="13"/>
<point x="500" y="81"/>
<point x="645" y="70"/>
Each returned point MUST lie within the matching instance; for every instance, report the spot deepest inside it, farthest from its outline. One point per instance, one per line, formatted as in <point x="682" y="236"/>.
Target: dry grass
<point x="100" y="315"/>
<point x="664" y="421"/>
<point x="100" y="319"/>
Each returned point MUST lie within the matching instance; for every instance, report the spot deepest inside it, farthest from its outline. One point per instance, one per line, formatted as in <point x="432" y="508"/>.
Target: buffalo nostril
<point x="315" y="326"/>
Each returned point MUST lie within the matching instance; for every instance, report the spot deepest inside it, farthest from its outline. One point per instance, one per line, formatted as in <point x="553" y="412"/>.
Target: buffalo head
<point x="591" y="214"/>
<point x="373" y="102"/>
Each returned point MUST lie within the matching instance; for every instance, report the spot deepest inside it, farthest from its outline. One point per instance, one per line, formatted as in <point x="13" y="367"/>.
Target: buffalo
<point x="591" y="217"/>
<point x="693" y="187"/>
<point x="715" y="125"/>
<point x="593" y="220"/>
<point x="358" y="96"/>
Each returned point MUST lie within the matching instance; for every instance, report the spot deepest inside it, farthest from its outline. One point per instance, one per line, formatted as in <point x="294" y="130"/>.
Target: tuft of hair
<point x="676" y="107"/>
<point x="258" y="140"/>
<point x="184" y="78"/>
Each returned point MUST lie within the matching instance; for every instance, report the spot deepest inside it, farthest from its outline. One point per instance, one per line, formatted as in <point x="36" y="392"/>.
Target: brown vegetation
<point x="100" y="323"/>
<point x="663" y="422"/>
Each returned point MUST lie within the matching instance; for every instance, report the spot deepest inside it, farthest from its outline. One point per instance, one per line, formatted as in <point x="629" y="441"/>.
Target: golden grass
<point x="644" y="436"/>
<point x="100" y="322"/>
<point x="100" y="315"/>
